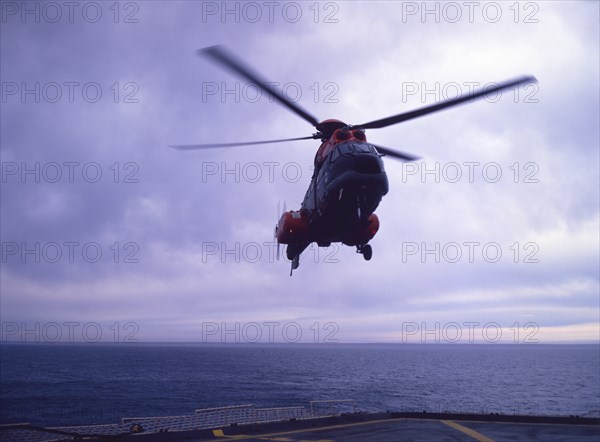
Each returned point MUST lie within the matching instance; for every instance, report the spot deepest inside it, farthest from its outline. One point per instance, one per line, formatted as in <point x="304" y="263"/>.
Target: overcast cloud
<point x="184" y="245"/>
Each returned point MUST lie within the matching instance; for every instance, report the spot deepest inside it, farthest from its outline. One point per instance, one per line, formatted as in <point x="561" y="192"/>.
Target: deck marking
<point x="474" y="434"/>
<point x="220" y="433"/>
<point x="329" y="427"/>
<point x="278" y="439"/>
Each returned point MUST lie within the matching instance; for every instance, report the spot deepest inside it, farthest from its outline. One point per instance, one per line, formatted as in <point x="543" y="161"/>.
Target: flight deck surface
<point x="352" y="427"/>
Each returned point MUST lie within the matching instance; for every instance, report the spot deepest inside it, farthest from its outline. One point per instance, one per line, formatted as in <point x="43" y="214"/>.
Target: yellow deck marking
<point x="474" y="434"/>
<point x="330" y="427"/>
<point x="320" y="440"/>
<point x="219" y="433"/>
<point x="278" y="439"/>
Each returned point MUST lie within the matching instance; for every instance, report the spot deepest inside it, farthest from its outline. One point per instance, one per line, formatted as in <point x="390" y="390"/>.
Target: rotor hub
<point x="328" y="127"/>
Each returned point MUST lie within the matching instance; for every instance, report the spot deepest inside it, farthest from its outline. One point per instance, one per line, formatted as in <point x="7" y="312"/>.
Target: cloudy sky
<point x="108" y="234"/>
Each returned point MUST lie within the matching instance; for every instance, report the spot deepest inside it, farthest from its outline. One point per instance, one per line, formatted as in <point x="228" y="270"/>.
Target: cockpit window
<point x="352" y="148"/>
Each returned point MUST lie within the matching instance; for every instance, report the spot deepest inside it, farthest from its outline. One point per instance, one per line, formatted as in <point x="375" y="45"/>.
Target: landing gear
<point x="295" y="264"/>
<point x="292" y="254"/>
<point x="365" y="250"/>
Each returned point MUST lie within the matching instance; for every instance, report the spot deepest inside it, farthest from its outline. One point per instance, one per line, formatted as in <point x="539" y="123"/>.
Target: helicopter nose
<point x="368" y="164"/>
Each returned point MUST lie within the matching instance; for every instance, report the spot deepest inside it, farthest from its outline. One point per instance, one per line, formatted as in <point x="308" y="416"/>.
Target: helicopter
<point x="349" y="178"/>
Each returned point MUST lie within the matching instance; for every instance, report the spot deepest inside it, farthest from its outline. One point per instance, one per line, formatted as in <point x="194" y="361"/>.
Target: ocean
<point x="75" y="384"/>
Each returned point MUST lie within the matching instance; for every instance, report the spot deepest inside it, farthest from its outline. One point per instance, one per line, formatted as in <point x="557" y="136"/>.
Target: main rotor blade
<point x="221" y="55"/>
<point x="245" y="143"/>
<point x="395" y="119"/>
<point x="395" y="153"/>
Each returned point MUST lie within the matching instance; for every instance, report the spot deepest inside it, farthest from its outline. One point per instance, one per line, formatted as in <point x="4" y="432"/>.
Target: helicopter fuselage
<point x="347" y="185"/>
